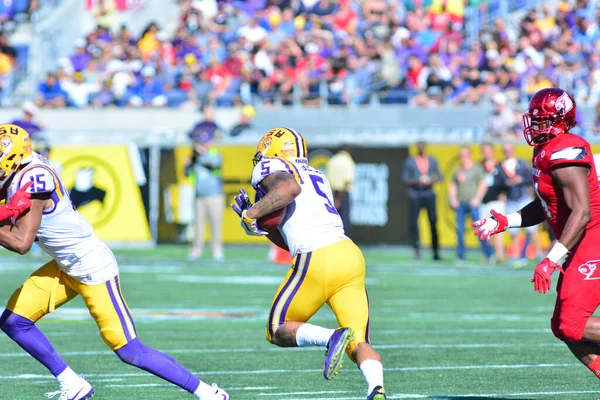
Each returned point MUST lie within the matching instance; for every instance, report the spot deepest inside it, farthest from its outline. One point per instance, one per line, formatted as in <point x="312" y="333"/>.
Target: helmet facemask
<point x="257" y="157"/>
<point x="538" y="129"/>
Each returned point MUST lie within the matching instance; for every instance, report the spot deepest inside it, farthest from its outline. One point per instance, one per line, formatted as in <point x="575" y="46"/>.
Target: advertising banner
<point x="103" y="187"/>
<point x="379" y="200"/>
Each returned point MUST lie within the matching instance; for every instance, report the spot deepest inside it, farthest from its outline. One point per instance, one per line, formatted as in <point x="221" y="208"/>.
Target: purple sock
<point x="139" y="355"/>
<point x="32" y="340"/>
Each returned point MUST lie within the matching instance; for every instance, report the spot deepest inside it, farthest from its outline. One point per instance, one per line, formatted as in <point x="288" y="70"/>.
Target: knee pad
<point x="12" y="323"/>
<point x="132" y="353"/>
<point x="568" y="331"/>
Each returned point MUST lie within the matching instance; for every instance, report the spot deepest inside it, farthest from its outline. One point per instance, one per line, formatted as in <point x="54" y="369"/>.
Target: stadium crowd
<point x="333" y="51"/>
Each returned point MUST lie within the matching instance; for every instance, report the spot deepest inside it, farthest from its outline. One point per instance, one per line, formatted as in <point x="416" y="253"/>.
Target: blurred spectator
<point x="502" y="121"/>
<point x="494" y="199"/>
<point x="206" y="126"/>
<point x="50" y="94"/>
<point x="6" y="48"/>
<point x="79" y="92"/>
<point x="28" y="120"/>
<point x="148" y="91"/>
<point x="340" y="171"/>
<point x="465" y="194"/>
<point x="205" y="168"/>
<point x="245" y="124"/>
<point x="105" y="13"/>
<point x="595" y="128"/>
<point x="426" y="53"/>
<point x="81" y="58"/>
<point x="515" y="174"/>
<point x="252" y="32"/>
<point x="420" y="173"/>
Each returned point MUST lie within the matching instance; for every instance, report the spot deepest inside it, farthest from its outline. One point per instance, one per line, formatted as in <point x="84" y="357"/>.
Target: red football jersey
<point x="564" y="149"/>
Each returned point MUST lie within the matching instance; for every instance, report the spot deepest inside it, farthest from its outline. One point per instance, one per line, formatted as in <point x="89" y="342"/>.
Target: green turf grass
<point x="443" y="331"/>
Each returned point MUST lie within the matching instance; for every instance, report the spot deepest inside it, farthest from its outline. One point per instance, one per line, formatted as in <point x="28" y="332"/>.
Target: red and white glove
<point x="543" y="272"/>
<point x="18" y="204"/>
<point x="541" y="275"/>
<point x="487" y="227"/>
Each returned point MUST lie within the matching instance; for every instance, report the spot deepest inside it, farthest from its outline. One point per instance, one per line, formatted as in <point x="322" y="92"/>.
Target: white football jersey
<point x="63" y="233"/>
<point x="311" y="221"/>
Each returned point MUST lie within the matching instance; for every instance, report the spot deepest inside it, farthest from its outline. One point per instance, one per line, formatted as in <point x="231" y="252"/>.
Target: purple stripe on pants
<point x="289" y="300"/>
<point x="368" y="330"/>
<point x="291" y="278"/>
<point x="124" y="304"/>
<point x="118" y="310"/>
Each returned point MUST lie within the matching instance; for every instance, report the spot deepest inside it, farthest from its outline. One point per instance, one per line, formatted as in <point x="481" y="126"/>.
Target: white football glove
<point x="486" y="227"/>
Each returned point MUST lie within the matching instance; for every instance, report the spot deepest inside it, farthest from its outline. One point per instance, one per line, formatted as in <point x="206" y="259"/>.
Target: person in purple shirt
<point x="27" y="120"/>
<point x="149" y="91"/>
<point x="50" y="93"/>
<point x="81" y="58"/>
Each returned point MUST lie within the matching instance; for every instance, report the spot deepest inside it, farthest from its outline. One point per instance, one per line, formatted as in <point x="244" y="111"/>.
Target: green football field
<point x="470" y="331"/>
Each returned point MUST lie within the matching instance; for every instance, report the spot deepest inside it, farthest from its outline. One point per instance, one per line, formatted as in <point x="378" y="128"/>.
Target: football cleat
<point x="80" y="391"/>
<point x="338" y="342"/>
<point x="220" y="394"/>
<point x="377" y="394"/>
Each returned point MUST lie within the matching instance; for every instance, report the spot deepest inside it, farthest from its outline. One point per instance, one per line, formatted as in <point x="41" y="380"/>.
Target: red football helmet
<point x="551" y="112"/>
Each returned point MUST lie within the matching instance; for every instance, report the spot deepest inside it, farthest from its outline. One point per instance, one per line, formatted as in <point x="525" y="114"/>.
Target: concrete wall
<point x="393" y="125"/>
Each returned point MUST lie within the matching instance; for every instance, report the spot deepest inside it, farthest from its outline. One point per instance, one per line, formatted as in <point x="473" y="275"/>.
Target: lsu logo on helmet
<point x="15" y="148"/>
<point x="281" y="142"/>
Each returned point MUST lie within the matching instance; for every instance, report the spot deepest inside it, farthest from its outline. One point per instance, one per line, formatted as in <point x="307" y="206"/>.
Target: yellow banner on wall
<point x="102" y="188"/>
<point x="236" y="173"/>
<point x="448" y="159"/>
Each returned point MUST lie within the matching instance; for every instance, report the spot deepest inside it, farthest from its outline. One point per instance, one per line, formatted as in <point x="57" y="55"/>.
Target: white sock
<point x="204" y="391"/>
<point x="312" y="335"/>
<point x="67" y="377"/>
<point x="373" y="372"/>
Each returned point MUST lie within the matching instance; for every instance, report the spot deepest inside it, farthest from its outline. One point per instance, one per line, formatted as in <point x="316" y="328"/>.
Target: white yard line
<point x="301" y="393"/>
<point x="280" y="349"/>
<point x="279" y="371"/>
<point x="94" y="331"/>
<point x="429" y="396"/>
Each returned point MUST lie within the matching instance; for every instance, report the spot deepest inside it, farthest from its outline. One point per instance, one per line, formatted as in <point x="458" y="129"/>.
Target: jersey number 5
<point x="316" y="180"/>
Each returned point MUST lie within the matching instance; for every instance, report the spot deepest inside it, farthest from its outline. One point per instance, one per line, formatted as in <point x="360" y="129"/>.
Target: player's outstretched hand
<point x="20" y="201"/>
<point x="487" y="227"/>
<point x="541" y="275"/>
<point x="242" y="202"/>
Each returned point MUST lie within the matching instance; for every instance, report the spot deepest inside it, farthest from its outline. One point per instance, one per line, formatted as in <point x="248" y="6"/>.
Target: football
<point x="271" y="221"/>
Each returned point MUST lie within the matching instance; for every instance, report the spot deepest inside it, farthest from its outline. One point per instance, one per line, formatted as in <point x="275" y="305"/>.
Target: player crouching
<point x="328" y="268"/>
<point x="81" y="265"/>
<point x="566" y="184"/>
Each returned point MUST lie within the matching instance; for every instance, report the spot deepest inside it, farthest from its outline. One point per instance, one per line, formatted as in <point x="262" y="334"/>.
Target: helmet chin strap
<point x="4" y="179"/>
<point x="7" y="177"/>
